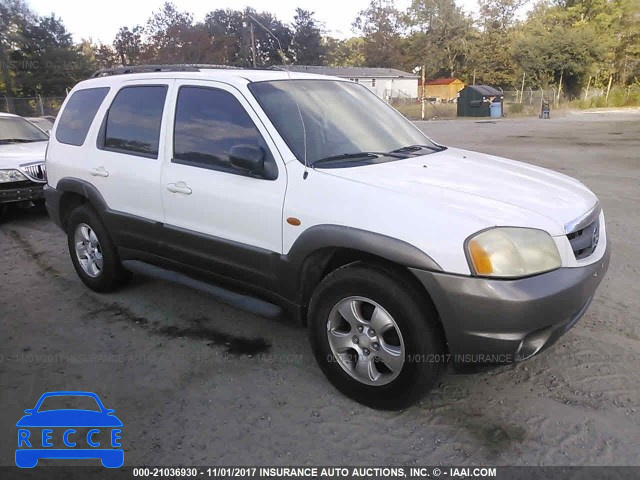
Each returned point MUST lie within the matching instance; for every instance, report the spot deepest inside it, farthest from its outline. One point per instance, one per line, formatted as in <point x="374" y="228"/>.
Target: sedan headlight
<point x="12" y="176"/>
<point x="512" y="252"/>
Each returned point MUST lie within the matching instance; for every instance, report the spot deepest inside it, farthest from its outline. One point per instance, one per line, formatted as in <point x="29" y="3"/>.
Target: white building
<point x="387" y="83"/>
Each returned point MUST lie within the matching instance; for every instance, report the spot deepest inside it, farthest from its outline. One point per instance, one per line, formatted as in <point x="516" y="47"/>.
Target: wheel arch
<point x="75" y="192"/>
<point x="320" y="250"/>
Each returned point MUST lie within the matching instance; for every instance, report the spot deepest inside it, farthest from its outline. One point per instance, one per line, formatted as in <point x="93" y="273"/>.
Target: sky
<point x="100" y="21"/>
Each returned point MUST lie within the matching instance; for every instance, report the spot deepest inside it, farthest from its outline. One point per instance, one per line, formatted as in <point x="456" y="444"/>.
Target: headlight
<point x="512" y="252"/>
<point x="12" y="176"/>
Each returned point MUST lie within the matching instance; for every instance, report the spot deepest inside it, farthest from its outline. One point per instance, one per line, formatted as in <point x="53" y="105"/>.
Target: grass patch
<point x="618" y="97"/>
<point x="413" y="111"/>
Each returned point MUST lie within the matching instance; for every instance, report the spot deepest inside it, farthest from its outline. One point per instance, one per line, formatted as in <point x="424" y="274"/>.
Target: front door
<point x="216" y="216"/>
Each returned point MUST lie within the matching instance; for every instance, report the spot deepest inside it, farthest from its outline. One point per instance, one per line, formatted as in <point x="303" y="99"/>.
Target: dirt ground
<point x="196" y="382"/>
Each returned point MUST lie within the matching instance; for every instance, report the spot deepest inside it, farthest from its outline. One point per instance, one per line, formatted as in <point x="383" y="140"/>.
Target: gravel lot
<point x="199" y="383"/>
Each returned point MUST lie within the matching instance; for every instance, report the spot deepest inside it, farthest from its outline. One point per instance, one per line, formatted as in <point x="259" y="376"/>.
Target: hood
<point x="69" y="418"/>
<point x="15" y="154"/>
<point x="486" y="181"/>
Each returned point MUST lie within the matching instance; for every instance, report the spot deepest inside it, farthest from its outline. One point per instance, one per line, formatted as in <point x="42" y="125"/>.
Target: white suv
<point x="310" y="193"/>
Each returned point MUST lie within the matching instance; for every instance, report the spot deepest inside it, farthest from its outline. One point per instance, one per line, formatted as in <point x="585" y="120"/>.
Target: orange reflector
<point x="293" y="221"/>
<point x="480" y="259"/>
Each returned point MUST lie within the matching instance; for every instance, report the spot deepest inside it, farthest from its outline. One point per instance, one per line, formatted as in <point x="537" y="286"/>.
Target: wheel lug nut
<point x="371" y="332"/>
<point x="355" y="340"/>
<point x="366" y="352"/>
<point x="360" y="329"/>
<point x="375" y="345"/>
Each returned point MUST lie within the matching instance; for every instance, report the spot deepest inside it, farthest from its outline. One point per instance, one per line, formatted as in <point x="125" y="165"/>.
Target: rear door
<point x="218" y="217"/>
<point x="127" y="163"/>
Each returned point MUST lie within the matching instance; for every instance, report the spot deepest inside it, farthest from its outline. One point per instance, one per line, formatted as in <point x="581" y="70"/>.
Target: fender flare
<point x="328" y="237"/>
<point x="85" y="189"/>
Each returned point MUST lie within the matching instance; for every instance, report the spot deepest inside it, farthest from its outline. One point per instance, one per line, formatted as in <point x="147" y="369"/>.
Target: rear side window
<point x="134" y="119"/>
<point x="78" y="115"/>
<point x="208" y="123"/>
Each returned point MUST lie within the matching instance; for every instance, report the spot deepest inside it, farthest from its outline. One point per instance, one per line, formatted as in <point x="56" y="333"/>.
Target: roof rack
<point x="196" y="67"/>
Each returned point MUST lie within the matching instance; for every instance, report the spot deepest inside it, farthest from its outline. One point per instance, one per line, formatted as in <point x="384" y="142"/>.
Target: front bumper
<point x="502" y="321"/>
<point x="21" y="191"/>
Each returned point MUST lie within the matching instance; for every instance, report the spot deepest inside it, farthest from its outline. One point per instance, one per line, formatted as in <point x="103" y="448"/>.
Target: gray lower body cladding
<point x="502" y="321"/>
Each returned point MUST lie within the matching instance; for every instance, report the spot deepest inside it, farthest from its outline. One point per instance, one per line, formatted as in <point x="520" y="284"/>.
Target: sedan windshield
<point x="344" y="124"/>
<point x="19" y="130"/>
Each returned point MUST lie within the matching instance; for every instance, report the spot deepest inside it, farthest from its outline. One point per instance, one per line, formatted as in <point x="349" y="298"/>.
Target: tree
<point x="227" y="33"/>
<point x="306" y="44"/>
<point x="267" y="47"/>
<point x="380" y="26"/>
<point x="50" y="62"/>
<point x="440" y="37"/>
<point x="128" y="45"/>
<point x="174" y="38"/>
<point x="346" y="53"/>
<point x="548" y="49"/>
<point x="14" y="15"/>
<point x="491" y="51"/>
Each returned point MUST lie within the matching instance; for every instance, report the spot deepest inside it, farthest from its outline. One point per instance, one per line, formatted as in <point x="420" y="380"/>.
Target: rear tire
<point x="375" y="336"/>
<point x="93" y="254"/>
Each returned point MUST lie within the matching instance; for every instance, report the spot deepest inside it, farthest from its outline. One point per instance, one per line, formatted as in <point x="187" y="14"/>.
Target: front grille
<point x="584" y="241"/>
<point x="35" y="171"/>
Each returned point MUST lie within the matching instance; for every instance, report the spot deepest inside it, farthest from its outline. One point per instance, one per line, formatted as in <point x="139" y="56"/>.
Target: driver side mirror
<point x="248" y="158"/>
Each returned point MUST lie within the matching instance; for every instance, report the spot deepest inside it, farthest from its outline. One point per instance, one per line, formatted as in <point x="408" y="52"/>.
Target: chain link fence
<point x="31" y="106"/>
<point x="527" y="101"/>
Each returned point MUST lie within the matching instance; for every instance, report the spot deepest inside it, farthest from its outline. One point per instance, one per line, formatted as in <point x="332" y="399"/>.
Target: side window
<point x="133" y="122"/>
<point x="78" y="115"/>
<point x="208" y="123"/>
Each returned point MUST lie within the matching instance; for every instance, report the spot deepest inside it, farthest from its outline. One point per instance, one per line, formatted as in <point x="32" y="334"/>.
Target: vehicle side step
<point x="237" y="300"/>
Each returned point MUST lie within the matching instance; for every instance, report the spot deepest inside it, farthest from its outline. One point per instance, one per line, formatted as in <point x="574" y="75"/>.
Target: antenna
<point x="280" y="50"/>
<point x="284" y="61"/>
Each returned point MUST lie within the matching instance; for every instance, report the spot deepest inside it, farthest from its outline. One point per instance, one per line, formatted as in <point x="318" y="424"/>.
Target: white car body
<point x="283" y="230"/>
<point x="454" y="191"/>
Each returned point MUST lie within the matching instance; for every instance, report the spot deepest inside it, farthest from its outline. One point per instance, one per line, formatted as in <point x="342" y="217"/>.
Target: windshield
<point x="42" y="123"/>
<point x="340" y="118"/>
<point x="19" y="130"/>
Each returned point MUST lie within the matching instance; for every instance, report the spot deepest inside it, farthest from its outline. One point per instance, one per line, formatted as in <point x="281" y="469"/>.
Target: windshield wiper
<point x="346" y="156"/>
<point x="357" y="156"/>
<point x="415" y="148"/>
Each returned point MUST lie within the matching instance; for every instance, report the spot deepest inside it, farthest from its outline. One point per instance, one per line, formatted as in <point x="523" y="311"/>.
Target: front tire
<point x="93" y="254"/>
<point x="375" y="336"/>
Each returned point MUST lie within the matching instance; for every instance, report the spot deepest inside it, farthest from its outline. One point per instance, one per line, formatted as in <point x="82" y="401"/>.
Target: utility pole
<point x="608" y="89"/>
<point x="474" y="76"/>
<point x="586" y="93"/>
<point x="41" y="105"/>
<point x="424" y="67"/>
<point x="253" y="46"/>
<point x="522" y="89"/>
<point x="559" y="87"/>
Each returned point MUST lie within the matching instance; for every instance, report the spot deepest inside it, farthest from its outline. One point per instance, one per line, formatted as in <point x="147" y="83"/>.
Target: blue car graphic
<point x="35" y="444"/>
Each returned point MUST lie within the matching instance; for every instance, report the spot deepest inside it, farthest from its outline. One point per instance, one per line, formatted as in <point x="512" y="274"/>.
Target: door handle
<point x="99" y="172"/>
<point x="179" y="187"/>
